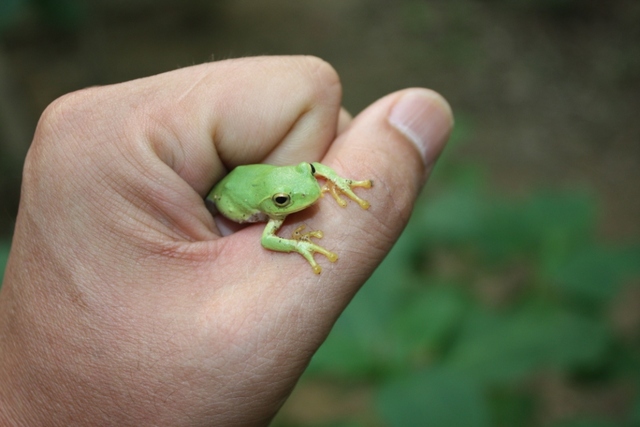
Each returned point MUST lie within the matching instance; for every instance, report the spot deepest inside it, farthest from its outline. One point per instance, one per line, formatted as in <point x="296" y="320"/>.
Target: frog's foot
<point x="301" y="243"/>
<point x="306" y="237"/>
<point x="345" y="186"/>
<point x="305" y="247"/>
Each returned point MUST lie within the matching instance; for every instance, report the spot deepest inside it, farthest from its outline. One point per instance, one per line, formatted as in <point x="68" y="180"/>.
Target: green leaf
<point x="547" y="226"/>
<point x="504" y="232"/>
<point x="595" y="274"/>
<point x="513" y="406"/>
<point x="586" y="422"/>
<point x="559" y="223"/>
<point x="454" y="217"/>
<point x="498" y="349"/>
<point x="436" y="398"/>
<point x="428" y="320"/>
<point x="634" y="413"/>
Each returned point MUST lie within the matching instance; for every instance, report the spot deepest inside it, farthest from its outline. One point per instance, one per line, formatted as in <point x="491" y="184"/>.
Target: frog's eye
<point x="281" y="200"/>
<point x="313" y="170"/>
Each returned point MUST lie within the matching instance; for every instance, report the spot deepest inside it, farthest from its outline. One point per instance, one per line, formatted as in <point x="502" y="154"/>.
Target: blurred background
<point x="514" y="299"/>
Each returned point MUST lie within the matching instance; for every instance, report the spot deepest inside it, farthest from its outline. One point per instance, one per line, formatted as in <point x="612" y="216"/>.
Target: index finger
<point x="204" y="120"/>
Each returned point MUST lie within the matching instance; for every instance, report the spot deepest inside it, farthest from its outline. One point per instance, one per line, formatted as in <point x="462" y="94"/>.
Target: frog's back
<point x="238" y="195"/>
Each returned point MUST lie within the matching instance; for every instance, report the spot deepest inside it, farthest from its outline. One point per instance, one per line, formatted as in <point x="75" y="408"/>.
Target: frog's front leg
<point x="336" y="184"/>
<point x="301" y="243"/>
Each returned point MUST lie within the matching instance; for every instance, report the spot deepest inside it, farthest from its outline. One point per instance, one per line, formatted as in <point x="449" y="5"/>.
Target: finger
<point x="206" y="119"/>
<point x="280" y="110"/>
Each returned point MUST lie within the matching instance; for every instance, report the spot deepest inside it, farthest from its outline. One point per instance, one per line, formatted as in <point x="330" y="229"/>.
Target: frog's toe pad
<point x="362" y="184"/>
<point x="333" y="257"/>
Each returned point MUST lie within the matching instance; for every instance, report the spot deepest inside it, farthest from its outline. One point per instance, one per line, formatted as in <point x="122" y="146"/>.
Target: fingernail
<point x="425" y="118"/>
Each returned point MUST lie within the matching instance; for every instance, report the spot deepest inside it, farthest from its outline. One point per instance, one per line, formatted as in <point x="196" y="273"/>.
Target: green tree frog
<point x="266" y="193"/>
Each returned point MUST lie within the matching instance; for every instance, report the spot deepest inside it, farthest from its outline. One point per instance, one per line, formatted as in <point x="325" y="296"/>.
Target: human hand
<point x="123" y="305"/>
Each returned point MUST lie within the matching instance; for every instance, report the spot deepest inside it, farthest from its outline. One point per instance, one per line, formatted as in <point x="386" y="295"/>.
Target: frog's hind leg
<point x="301" y="243"/>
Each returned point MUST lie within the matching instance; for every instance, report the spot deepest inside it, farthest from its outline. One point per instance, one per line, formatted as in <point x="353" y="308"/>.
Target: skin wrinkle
<point x="120" y="209"/>
<point x="166" y="142"/>
<point x="34" y="365"/>
<point x="206" y="74"/>
<point x="49" y="256"/>
<point x="273" y="156"/>
<point x="392" y="208"/>
<point x="158" y="134"/>
<point x="324" y="75"/>
<point x="148" y="393"/>
<point x="318" y="91"/>
<point x="129" y="221"/>
<point x="172" y="213"/>
<point x="116" y="210"/>
<point x="60" y="111"/>
<point x="153" y="192"/>
<point x="230" y="143"/>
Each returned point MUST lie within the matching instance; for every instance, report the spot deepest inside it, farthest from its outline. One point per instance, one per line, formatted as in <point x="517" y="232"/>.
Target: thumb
<point x="395" y="142"/>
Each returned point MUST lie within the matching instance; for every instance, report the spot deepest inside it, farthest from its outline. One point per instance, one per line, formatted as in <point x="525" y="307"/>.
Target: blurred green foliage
<point x="480" y="296"/>
<point x="4" y="255"/>
<point x="64" y="15"/>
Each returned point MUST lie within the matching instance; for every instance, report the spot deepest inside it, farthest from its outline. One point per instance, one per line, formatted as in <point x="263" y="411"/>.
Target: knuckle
<point x="66" y="112"/>
<point x="61" y="136"/>
<point x="324" y="79"/>
<point x="322" y="70"/>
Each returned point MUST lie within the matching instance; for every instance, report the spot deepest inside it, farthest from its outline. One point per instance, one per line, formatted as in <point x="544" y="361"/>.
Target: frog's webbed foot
<point x="345" y="186"/>
<point x="306" y="247"/>
<point x="299" y="242"/>
<point x="336" y="185"/>
<point x="306" y="237"/>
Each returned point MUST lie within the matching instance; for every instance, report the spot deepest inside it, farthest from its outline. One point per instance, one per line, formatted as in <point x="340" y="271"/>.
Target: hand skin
<point x="123" y="305"/>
